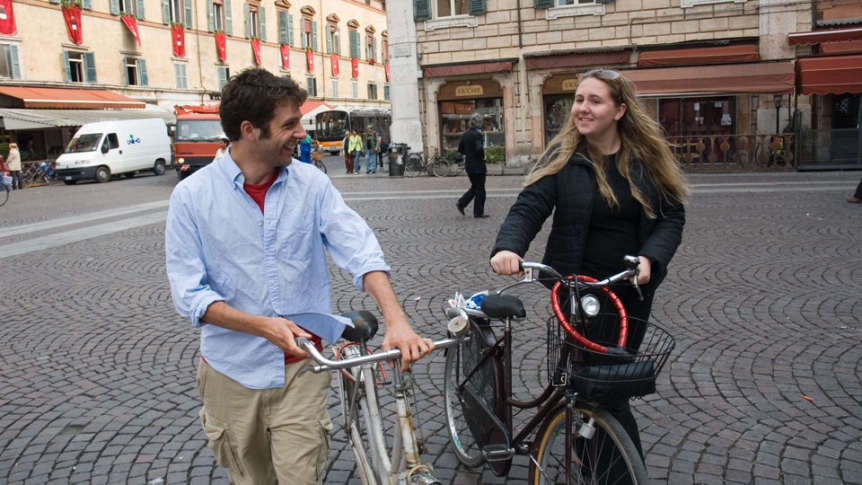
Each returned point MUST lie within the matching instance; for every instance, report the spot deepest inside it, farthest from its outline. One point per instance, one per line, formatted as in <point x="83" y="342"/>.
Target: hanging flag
<point x="179" y="39"/>
<point x="334" y="60"/>
<point x="354" y="64"/>
<point x="7" y="18"/>
<point x="132" y="23"/>
<point x="387" y="71"/>
<point x="221" y="45"/>
<point x="309" y="57"/>
<point x="72" y="16"/>
<point x="285" y="56"/>
<point x="255" y="48"/>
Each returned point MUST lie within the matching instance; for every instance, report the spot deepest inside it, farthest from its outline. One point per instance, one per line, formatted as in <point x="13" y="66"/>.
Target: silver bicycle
<point x="380" y="459"/>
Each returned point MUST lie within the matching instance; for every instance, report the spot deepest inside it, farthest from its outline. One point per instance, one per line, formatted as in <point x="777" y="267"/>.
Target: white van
<point x="101" y="150"/>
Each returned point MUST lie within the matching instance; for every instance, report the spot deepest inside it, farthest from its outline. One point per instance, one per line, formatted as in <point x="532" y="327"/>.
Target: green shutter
<point x="421" y="10"/>
<point x="314" y="36"/>
<point x="228" y="18"/>
<point x="477" y="7"/>
<point x="354" y="44"/>
<point x="90" y="67"/>
<point x="246" y="14"/>
<point x="328" y="33"/>
<point x="166" y="12"/>
<point x="223" y="76"/>
<point x="289" y="29"/>
<point x="262" y="12"/>
<point x="189" y="15"/>
<point x="282" y="27"/>
<point x="210" y="16"/>
<point x="114" y="7"/>
<point x="142" y="72"/>
<point x="13" y="61"/>
<point x="374" y="50"/>
<point x="55" y="1"/>
<point x="86" y="4"/>
<point x="544" y="3"/>
<point x="139" y="9"/>
<point x="67" y="67"/>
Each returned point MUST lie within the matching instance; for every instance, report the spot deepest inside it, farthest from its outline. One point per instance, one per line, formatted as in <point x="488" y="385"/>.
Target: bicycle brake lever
<point x="637" y="287"/>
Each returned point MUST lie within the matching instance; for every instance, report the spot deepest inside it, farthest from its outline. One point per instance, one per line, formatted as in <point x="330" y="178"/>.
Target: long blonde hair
<point x="641" y="139"/>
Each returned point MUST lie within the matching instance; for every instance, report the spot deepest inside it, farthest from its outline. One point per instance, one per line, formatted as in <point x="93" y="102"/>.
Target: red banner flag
<point x="309" y="57"/>
<point x="255" y="47"/>
<point x="7" y="18"/>
<point x="285" y="56"/>
<point x="354" y="65"/>
<point x="335" y="68"/>
<point x="179" y="39"/>
<point x="221" y="45"/>
<point x="387" y="71"/>
<point x="132" y="24"/>
<point x="72" y="16"/>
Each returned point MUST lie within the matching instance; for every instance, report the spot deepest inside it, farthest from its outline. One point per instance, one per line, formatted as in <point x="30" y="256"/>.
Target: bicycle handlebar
<point x="325" y="364"/>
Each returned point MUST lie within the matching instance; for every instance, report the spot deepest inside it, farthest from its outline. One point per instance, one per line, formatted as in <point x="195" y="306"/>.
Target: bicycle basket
<point x="618" y="374"/>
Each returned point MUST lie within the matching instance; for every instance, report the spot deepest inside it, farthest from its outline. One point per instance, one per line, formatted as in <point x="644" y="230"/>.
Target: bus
<point x="196" y="139"/>
<point x="331" y="126"/>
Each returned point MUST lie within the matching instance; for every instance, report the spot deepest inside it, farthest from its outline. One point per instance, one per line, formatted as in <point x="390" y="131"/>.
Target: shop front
<point x="460" y="100"/>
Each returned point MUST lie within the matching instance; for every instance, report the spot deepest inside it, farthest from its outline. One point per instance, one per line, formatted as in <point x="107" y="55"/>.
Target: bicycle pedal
<point x="498" y="452"/>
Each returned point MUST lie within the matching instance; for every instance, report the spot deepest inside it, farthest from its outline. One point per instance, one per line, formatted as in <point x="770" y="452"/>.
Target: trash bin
<point x="396" y="159"/>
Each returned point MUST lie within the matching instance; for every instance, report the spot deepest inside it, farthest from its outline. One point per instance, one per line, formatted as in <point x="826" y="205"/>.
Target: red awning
<point x="68" y="98"/>
<point x="699" y="56"/>
<point x="475" y="68"/>
<point x="576" y="60"/>
<point x="818" y="36"/>
<point x="311" y="104"/>
<point x="830" y="75"/>
<point x="776" y="78"/>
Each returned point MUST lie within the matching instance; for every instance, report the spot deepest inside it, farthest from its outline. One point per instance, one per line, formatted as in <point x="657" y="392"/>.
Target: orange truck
<point x="196" y="138"/>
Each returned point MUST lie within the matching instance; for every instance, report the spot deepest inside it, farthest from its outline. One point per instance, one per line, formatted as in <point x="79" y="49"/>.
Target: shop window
<point x="80" y="66"/>
<point x="698" y="116"/>
<point x="178" y="12"/>
<point x="558" y="109"/>
<point x="135" y="69"/>
<point x="455" y="116"/>
<point x="10" y="62"/>
<point x="181" y="80"/>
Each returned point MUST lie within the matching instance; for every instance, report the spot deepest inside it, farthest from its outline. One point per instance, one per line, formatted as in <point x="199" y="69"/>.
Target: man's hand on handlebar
<point x="507" y="262"/>
<point x="283" y="332"/>
<point x="412" y="346"/>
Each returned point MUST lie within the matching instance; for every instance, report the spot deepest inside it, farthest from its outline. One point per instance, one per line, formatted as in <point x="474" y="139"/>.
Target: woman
<point x="614" y="188"/>
<point x="305" y="149"/>
<point x="222" y="149"/>
<point x="355" y="149"/>
<point x="345" y="148"/>
<point x="13" y="164"/>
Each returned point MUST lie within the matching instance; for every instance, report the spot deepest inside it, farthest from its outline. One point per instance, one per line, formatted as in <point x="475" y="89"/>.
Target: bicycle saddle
<point x="503" y="306"/>
<point x="364" y="326"/>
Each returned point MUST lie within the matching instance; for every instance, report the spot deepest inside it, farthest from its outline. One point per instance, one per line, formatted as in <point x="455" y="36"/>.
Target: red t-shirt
<point x="258" y="195"/>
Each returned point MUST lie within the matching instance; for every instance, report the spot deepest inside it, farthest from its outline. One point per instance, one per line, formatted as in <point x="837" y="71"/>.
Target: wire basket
<point x="620" y="373"/>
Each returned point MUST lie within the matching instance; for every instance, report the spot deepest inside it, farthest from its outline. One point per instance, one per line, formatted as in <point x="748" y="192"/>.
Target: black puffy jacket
<point x="569" y="195"/>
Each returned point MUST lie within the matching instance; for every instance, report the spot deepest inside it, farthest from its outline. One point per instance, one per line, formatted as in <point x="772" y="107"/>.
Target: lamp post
<point x="777" y="99"/>
<point x="777" y="142"/>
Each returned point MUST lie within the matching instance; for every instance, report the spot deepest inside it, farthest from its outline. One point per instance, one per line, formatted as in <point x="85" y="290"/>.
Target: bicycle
<point x="38" y="173"/>
<point x="380" y="461"/>
<point x="4" y="192"/>
<point x="576" y="439"/>
<point x="416" y="164"/>
<point x="317" y="158"/>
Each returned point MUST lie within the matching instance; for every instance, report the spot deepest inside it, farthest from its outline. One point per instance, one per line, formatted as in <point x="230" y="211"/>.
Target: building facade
<point x="181" y="52"/>
<point x="729" y="80"/>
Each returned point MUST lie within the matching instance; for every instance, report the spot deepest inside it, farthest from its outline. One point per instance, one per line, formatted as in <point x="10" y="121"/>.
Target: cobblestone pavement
<point x="763" y="297"/>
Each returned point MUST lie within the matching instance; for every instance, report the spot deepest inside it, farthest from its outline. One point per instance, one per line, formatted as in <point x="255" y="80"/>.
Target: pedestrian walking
<point x="13" y="164"/>
<point x="472" y="148"/>
<point x="246" y="241"/>
<point x="857" y="196"/>
<point x="345" y="149"/>
<point x="305" y="149"/>
<point x="355" y="149"/>
<point x="371" y="143"/>
<point x="614" y="189"/>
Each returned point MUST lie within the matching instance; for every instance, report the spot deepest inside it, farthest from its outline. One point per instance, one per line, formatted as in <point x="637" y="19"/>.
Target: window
<point x="355" y="86"/>
<point x="223" y="76"/>
<point x="80" y="66"/>
<point x="386" y="93"/>
<point x="370" y="48"/>
<point x="563" y="3"/>
<point x="177" y="12"/>
<point x="285" y="28"/>
<point x="384" y="46"/>
<point x="136" y="71"/>
<point x="311" y="86"/>
<point x="335" y="88"/>
<point x="128" y="7"/>
<point x="372" y="91"/>
<point x="255" y="21"/>
<point x="10" y="64"/>
<point x="180" y="78"/>
<point x="428" y="9"/>
<point x="308" y="37"/>
<point x="354" y="44"/>
<point x="449" y="8"/>
<point x="111" y="142"/>
<point x="219" y="18"/>
<point x="333" y="39"/>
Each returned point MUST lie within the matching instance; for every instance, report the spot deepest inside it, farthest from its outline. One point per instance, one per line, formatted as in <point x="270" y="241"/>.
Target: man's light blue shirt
<point x="220" y="247"/>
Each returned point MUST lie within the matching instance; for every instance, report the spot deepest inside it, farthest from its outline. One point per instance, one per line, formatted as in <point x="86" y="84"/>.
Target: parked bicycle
<point x="416" y="163"/>
<point x="380" y="460"/>
<point x="317" y="155"/>
<point x="576" y="440"/>
<point x="38" y="173"/>
<point x="4" y="192"/>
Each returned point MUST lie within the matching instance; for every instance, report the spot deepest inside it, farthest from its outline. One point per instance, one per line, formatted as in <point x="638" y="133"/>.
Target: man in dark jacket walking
<point x="472" y="148"/>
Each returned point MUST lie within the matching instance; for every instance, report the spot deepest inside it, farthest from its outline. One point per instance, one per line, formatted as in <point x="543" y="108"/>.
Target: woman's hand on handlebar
<point x="507" y="262"/>
<point x="644" y="270"/>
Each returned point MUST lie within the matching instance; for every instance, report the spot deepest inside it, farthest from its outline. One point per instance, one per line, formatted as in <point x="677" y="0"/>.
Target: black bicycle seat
<point x="503" y="306"/>
<point x="364" y="326"/>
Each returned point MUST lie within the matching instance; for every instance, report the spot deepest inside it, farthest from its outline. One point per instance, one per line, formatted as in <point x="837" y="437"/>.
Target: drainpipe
<point x="520" y="32"/>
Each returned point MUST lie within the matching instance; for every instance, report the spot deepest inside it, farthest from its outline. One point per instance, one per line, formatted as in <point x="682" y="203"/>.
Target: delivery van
<point x="102" y="150"/>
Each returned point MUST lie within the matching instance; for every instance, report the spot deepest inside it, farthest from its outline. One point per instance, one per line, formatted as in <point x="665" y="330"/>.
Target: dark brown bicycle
<point x="570" y="439"/>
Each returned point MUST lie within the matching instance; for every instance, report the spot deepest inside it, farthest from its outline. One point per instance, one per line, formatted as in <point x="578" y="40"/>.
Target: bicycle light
<point x="458" y="326"/>
<point x="590" y="305"/>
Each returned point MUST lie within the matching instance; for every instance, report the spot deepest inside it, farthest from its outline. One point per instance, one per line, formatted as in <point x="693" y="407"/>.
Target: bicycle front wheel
<point x="413" y="166"/>
<point x="440" y="167"/>
<point x="607" y="457"/>
<point x="459" y="360"/>
<point x="4" y="194"/>
<point x="359" y="409"/>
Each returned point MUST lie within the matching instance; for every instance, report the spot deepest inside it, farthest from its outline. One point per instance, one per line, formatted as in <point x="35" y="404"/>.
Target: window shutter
<point x="126" y="74"/>
<point x="328" y="40"/>
<point x="544" y="3"/>
<point x="289" y="29"/>
<point x="477" y="7"/>
<point x="178" y="76"/>
<point x="222" y="76"/>
<point x="228" y="18"/>
<point x="314" y="36"/>
<point x="55" y="1"/>
<point x="354" y="44"/>
<point x="262" y="12"/>
<point x="421" y="10"/>
<point x="139" y="9"/>
<point x="115" y="7"/>
<point x="90" y="66"/>
<point x="86" y="4"/>
<point x="142" y="72"/>
<point x="166" y="12"/>
<point x="246" y="13"/>
<point x="67" y="67"/>
<point x="210" y="16"/>
<point x="282" y="27"/>
<point x="14" y="64"/>
<point x="189" y="14"/>
<point x="303" y="38"/>
<point x="374" y="49"/>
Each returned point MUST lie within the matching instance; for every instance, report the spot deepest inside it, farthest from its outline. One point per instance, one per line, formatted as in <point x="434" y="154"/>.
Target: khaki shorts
<point x="267" y="436"/>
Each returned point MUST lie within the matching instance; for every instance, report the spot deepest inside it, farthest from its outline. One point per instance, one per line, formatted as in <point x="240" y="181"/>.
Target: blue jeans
<point x="355" y="154"/>
<point x="370" y="161"/>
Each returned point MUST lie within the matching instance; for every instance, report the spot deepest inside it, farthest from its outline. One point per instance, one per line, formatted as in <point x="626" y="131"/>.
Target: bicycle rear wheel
<point x="459" y="360"/>
<point x="608" y="457"/>
<point x="440" y="167"/>
<point x="4" y="194"/>
<point x="413" y="166"/>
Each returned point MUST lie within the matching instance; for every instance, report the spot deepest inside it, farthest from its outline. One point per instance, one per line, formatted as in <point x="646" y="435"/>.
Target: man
<point x="472" y="148"/>
<point x="371" y="143"/>
<point x="222" y="148"/>
<point x="245" y="242"/>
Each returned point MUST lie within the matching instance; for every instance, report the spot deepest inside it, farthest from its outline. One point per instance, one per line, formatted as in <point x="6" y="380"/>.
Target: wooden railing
<point x="735" y="152"/>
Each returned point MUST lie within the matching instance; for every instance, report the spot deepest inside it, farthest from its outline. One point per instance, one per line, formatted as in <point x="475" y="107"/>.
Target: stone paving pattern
<point x="763" y="297"/>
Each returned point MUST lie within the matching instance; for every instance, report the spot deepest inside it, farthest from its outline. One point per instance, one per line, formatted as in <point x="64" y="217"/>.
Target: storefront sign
<point x="570" y="84"/>
<point x="474" y="90"/>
